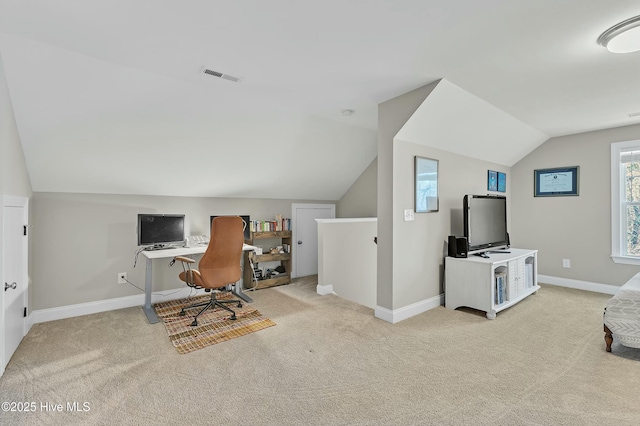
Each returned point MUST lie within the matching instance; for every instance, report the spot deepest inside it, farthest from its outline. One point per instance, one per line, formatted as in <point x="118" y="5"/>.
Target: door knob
<point x="12" y="286"/>
<point x="299" y="242"/>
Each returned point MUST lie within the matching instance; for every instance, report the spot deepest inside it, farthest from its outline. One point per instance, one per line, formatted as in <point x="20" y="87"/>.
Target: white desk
<point x="173" y="252"/>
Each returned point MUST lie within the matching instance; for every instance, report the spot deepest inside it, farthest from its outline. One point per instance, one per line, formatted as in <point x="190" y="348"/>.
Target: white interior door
<point x="14" y="274"/>
<point x="305" y="236"/>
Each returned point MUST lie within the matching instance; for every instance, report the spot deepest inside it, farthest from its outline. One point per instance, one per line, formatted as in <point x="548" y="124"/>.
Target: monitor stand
<point x="159" y="247"/>
<point x="483" y="254"/>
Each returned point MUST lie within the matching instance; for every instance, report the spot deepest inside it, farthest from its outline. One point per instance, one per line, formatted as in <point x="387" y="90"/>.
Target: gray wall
<point x="82" y="241"/>
<point x="392" y="115"/>
<point x="419" y="246"/>
<point x="575" y="228"/>
<point x="14" y="178"/>
<point x="361" y="198"/>
<point x="411" y="254"/>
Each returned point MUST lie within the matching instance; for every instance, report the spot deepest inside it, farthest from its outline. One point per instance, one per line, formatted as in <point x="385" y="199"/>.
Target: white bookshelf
<point x="474" y="281"/>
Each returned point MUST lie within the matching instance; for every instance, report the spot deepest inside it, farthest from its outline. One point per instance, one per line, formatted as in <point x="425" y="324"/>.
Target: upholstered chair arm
<point x="190" y="276"/>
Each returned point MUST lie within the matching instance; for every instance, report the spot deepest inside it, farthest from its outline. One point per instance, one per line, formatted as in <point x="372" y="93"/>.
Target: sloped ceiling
<point x="91" y="126"/>
<point x="454" y="120"/>
<point x="109" y="96"/>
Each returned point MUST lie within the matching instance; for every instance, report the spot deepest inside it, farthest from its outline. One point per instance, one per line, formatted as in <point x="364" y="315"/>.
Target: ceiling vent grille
<point x="221" y="75"/>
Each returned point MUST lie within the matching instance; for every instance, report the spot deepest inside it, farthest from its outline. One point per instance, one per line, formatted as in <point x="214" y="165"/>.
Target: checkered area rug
<point x="214" y="325"/>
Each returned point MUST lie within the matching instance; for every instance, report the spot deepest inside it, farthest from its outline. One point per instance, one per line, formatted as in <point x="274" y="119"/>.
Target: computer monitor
<point x="160" y="229"/>
<point x="247" y="220"/>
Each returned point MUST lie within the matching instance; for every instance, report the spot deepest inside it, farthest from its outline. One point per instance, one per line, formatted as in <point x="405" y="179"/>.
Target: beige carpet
<point x="214" y="325"/>
<point x="331" y="362"/>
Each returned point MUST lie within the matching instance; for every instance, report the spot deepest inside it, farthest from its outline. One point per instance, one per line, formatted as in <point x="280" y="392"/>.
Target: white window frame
<point x="618" y="216"/>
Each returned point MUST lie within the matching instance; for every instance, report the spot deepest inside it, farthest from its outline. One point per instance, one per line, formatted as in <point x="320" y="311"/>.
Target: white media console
<point x="491" y="284"/>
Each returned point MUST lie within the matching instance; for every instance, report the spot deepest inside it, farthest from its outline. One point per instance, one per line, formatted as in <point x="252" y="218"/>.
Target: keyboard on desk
<point x="151" y="248"/>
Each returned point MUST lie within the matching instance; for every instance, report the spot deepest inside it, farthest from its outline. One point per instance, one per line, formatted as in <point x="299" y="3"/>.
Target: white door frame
<point x="294" y="223"/>
<point x="13" y="201"/>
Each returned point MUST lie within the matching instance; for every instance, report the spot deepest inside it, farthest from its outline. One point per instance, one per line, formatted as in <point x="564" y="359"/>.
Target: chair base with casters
<point x="219" y="266"/>
<point x="193" y="278"/>
<point x="212" y="303"/>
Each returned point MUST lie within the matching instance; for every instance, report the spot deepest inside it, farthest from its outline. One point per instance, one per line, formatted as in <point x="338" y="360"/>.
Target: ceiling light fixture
<point x="347" y="112"/>
<point x="623" y="37"/>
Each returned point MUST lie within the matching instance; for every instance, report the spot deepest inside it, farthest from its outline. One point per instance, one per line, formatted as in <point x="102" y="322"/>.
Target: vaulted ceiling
<point x="111" y="97"/>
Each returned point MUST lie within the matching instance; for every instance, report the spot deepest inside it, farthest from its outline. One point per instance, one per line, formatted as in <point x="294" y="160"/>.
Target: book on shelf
<point x="500" y="288"/>
<point x="279" y="224"/>
<point x="528" y="275"/>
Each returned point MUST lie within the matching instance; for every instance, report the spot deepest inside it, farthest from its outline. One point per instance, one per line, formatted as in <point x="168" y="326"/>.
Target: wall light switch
<point x="566" y="263"/>
<point x="408" y="215"/>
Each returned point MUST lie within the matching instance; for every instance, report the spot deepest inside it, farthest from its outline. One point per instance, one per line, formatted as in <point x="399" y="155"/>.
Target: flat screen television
<point x="247" y="220"/>
<point x="485" y="222"/>
<point x="160" y="230"/>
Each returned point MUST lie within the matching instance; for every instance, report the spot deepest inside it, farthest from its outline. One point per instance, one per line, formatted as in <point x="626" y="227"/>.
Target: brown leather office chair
<point x="219" y="266"/>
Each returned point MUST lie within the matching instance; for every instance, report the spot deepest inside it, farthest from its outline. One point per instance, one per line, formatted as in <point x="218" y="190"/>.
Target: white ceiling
<point x="109" y="96"/>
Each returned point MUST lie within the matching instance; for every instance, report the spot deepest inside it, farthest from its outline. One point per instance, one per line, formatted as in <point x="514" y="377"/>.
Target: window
<point x="625" y="202"/>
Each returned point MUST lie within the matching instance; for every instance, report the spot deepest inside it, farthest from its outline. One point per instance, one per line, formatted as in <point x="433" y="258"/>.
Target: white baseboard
<point x="323" y="290"/>
<point x="70" y="311"/>
<point x="577" y="284"/>
<point x="31" y="318"/>
<point x="392" y="316"/>
<point x="397" y="315"/>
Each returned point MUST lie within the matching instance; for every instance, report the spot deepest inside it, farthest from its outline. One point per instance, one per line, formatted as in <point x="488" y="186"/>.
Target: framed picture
<point x="425" y="184"/>
<point x="502" y="182"/>
<point x="557" y="182"/>
<point x="492" y="180"/>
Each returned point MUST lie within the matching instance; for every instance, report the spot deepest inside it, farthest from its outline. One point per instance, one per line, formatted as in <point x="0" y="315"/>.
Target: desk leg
<point x="148" y="309"/>
<point x="237" y="290"/>
<point x="237" y="287"/>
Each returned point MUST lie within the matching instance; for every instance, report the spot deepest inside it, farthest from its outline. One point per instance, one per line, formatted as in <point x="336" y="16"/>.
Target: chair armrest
<point x="184" y="259"/>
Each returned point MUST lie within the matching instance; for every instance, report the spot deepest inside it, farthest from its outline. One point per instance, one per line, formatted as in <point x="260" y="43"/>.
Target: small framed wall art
<point x="426" y="184"/>
<point x="502" y="182"/>
<point x="492" y="180"/>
